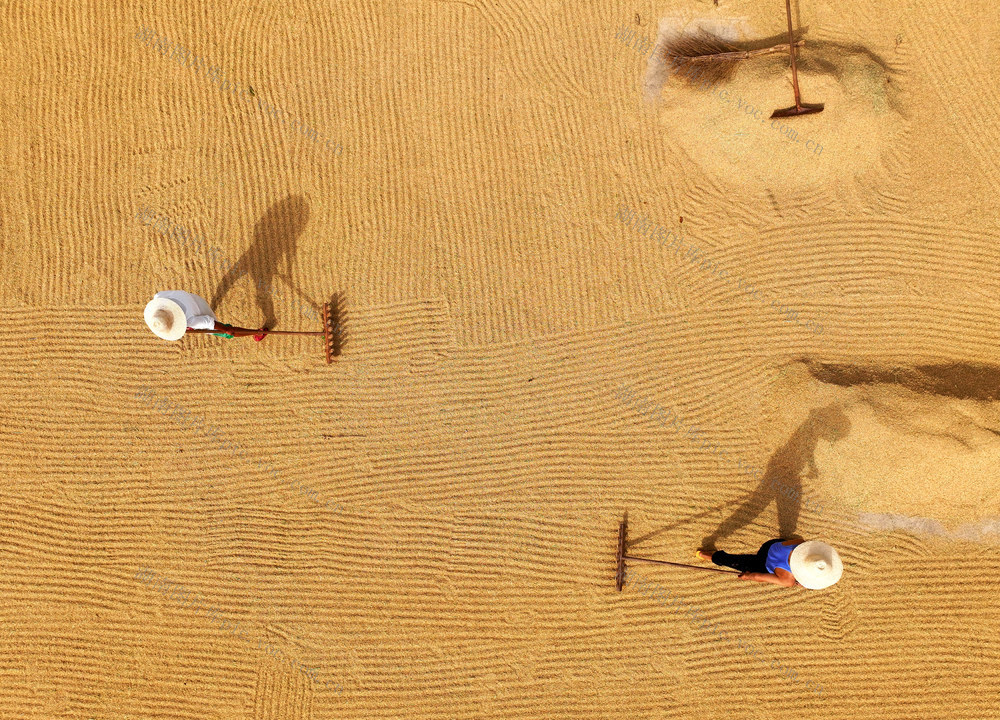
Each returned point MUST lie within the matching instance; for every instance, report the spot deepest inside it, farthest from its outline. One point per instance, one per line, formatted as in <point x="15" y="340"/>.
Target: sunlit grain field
<point x="572" y="287"/>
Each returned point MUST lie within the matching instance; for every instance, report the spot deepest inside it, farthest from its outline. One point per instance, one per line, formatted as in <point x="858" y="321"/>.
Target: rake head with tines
<point x="622" y="537"/>
<point x="328" y="333"/>
<point x="621" y="557"/>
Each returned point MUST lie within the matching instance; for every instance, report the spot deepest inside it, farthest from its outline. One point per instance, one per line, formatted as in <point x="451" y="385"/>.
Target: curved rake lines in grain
<point x="960" y="77"/>
<point x="918" y="326"/>
<point x="904" y="549"/>
<point x="697" y="391"/>
<point x="713" y="197"/>
<point x="840" y="618"/>
<point x="52" y="532"/>
<point x="710" y="393"/>
<point x="712" y="281"/>
<point x="948" y="31"/>
<point x="556" y="378"/>
<point x="528" y="542"/>
<point x="842" y="251"/>
<point x="718" y="207"/>
<point x="181" y="254"/>
<point x="715" y="295"/>
<point x="921" y="250"/>
<point x="702" y="426"/>
<point x="237" y="115"/>
<point x="228" y="465"/>
<point x="516" y="21"/>
<point x="163" y="190"/>
<point x="713" y="630"/>
<point x="399" y="329"/>
<point x="891" y="190"/>
<point x="896" y="198"/>
<point x="524" y="17"/>
<point x="223" y="112"/>
<point x="533" y="467"/>
<point x="557" y="383"/>
<point x="300" y="24"/>
<point x="257" y="537"/>
<point x="493" y="468"/>
<point x="954" y="638"/>
<point x="281" y="692"/>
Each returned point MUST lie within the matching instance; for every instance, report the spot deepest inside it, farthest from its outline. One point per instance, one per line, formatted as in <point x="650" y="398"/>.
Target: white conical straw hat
<point x="165" y="318"/>
<point x="815" y="565"/>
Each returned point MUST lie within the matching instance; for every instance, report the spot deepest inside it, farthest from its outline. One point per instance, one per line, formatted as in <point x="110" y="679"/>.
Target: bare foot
<point x="704" y="555"/>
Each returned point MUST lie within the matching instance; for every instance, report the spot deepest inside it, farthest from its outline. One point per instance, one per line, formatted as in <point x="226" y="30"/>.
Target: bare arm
<point x="233" y="330"/>
<point x="788" y="581"/>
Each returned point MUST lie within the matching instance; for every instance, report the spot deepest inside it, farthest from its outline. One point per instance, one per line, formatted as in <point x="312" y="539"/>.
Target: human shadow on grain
<point x="690" y="518"/>
<point x="966" y="381"/>
<point x="274" y="241"/>
<point x="782" y="479"/>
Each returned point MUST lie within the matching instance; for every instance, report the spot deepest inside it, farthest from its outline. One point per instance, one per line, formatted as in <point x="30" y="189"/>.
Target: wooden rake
<point x="799" y="108"/>
<point x="621" y="557"/>
<point x="330" y="332"/>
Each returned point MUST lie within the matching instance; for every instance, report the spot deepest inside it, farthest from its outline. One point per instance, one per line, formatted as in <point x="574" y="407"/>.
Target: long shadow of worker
<point x="274" y="240"/>
<point x="782" y="480"/>
<point x="682" y="521"/>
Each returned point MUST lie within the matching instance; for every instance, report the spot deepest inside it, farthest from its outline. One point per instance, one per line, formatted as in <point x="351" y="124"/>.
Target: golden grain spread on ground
<point x="570" y="287"/>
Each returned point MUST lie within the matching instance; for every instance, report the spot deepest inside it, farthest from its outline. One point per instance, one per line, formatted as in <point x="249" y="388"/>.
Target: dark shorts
<point x="746" y="563"/>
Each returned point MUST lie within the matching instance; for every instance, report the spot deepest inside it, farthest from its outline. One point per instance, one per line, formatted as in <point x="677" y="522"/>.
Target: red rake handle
<point x="693" y="567"/>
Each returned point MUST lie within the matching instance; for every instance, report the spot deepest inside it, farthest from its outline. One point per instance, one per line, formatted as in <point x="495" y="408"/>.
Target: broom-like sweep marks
<point x="703" y="58"/>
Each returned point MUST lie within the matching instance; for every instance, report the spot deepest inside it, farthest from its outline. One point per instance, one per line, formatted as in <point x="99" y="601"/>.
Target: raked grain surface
<point x="426" y="528"/>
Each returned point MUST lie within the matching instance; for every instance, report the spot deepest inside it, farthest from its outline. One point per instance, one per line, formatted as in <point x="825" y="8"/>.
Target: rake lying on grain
<point x="705" y="58"/>
<point x="330" y="331"/>
<point x="621" y="557"/>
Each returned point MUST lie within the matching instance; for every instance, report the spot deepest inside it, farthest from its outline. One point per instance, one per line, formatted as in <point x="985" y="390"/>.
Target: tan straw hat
<point x="166" y="318"/>
<point x="815" y="565"/>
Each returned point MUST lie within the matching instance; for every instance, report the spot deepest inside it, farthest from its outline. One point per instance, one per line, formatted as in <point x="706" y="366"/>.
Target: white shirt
<point x="197" y="313"/>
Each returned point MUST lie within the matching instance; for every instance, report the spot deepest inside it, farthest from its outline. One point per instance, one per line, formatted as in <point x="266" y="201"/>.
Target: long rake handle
<point x="746" y="54"/>
<point x="791" y="53"/>
<point x="245" y="331"/>
<point x="330" y="341"/>
<point x="693" y="567"/>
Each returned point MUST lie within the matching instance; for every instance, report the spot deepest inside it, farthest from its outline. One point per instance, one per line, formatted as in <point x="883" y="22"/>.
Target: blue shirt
<point x="777" y="557"/>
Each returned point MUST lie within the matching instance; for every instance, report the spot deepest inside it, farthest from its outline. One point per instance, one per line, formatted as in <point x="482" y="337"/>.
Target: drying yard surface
<point x="426" y="528"/>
